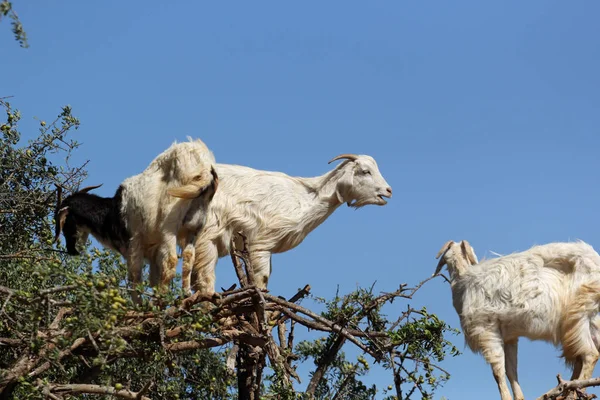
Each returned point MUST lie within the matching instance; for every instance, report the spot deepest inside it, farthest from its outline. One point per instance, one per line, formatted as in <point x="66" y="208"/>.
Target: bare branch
<point x="564" y="387"/>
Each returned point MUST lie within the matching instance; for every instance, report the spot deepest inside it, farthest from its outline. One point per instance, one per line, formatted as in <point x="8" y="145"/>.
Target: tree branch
<point x="564" y="387"/>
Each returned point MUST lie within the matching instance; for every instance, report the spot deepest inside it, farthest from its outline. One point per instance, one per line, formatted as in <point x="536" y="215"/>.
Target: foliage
<point x="411" y="347"/>
<point x="6" y="10"/>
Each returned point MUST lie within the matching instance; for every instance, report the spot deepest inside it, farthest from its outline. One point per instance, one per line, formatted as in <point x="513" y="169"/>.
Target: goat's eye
<point x="366" y="172"/>
<point x="198" y="177"/>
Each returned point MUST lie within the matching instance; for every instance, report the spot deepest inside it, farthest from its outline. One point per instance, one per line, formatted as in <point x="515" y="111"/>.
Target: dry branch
<point x="564" y="387"/>
<point x="58" y="389"/>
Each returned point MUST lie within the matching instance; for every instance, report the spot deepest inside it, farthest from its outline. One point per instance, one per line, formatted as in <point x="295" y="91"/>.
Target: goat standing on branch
<point x="144" y="218"/>
<point x="83" y="213"/>
<point x="276" y="211"/>
<point x="550" y="292"/>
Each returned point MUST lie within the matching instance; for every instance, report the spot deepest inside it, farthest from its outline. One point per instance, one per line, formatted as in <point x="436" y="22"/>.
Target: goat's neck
<point x="324" y="200"/>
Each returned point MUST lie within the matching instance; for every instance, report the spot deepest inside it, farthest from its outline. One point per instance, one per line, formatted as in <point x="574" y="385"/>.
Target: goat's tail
<point x="580" y="326"/>
<point x="197" y="187"/>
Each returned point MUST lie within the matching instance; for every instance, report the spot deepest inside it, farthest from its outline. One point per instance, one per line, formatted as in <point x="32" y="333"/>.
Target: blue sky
<point x="483" y="117"/>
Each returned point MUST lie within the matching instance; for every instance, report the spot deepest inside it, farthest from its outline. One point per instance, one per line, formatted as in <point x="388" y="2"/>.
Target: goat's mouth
<point x="382" y="201"/>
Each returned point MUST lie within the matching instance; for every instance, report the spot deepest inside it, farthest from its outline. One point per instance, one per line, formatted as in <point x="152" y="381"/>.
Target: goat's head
<point x="65" y="224"/>
<point x="204" y="184"/>
<point x="360" y="182"/>
<point x="457" y="255"/>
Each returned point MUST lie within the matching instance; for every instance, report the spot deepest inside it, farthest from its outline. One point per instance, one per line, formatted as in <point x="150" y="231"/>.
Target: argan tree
<point x="68" y="326"/>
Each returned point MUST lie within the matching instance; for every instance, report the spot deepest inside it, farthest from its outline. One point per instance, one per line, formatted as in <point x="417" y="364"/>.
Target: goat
<point x="83" y="213"/>
<point x="156" y="202"/>
<point x="193" y="223"/>
<point x="276" y="211"/>
<point x="550" y="292"/>
<point x="143" y="220"/>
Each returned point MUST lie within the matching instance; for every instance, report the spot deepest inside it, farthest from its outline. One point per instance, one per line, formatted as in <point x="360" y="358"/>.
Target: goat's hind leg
<point x="510" y="358"/>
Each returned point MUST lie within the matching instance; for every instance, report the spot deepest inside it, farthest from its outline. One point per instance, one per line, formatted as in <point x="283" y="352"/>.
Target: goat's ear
<point x="468" y="252"/>
<point x="342" y="189"/>
<point x="61" y="216"/>
<point x="442" y="261"/>
<point x="190" y="191"/>
<point x="215" y="182"/>
<point x="444" y="248"/>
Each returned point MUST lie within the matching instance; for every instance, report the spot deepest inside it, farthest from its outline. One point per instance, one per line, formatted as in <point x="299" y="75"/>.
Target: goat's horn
<point x="352" y="157"/>
<point x="88" y="188"/>
<point x="442" y="261"/>
<point x="469" y="252"/>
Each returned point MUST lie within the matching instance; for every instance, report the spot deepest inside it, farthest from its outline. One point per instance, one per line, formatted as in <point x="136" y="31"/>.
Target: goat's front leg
<point x="261" y="265"/>
<point x="510" y="358"/>
<point x="167" y="260"/>
<point x="492" y="348"/>
<point x="203" y="272"/>
<point x="135" y="263"/>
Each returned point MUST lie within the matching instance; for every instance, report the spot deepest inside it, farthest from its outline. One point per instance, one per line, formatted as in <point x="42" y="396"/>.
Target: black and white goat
<point x="83" y="213"/>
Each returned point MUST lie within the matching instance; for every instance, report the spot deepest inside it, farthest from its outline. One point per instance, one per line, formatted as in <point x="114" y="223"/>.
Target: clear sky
<point x="483" y="116"/>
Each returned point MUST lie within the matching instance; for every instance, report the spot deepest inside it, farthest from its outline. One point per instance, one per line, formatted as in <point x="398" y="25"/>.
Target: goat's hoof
<point x="228" y="322"/>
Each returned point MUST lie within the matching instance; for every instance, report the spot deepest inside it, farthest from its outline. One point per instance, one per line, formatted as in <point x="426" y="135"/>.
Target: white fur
<point x="277" y="211"/>
<point x="153" y="216"/>
<point x="550" y="292"/>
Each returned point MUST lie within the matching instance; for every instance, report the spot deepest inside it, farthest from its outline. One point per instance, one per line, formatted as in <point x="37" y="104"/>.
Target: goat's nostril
<point x="389" y="190"/>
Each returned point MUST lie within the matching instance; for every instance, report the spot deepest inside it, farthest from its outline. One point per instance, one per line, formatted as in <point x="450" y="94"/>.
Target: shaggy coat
<point x="158" y="200"/>
<point x="550" y="292"/>
<point x="144" y="218"/>
<point x="277" y="211"/>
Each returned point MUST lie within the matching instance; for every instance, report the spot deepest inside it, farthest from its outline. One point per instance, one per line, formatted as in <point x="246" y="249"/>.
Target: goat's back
<point x="147" y="205"/>
<point x="259" y="203"/>
<point x="524" y="294"/>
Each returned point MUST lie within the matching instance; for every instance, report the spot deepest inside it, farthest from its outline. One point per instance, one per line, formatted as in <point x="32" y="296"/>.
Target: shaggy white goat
<point x="276" y="211"/>
<point x="550" y="292"/>
<point x="155" y="203"/>
<point x="193" y="223"/>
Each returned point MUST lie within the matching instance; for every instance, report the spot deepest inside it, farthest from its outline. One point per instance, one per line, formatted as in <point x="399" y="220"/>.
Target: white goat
<point x="155" y="203"/>
<point x="276" y="211"/>
<point x="193" y="223"/>
<point x="550" y="292"/>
